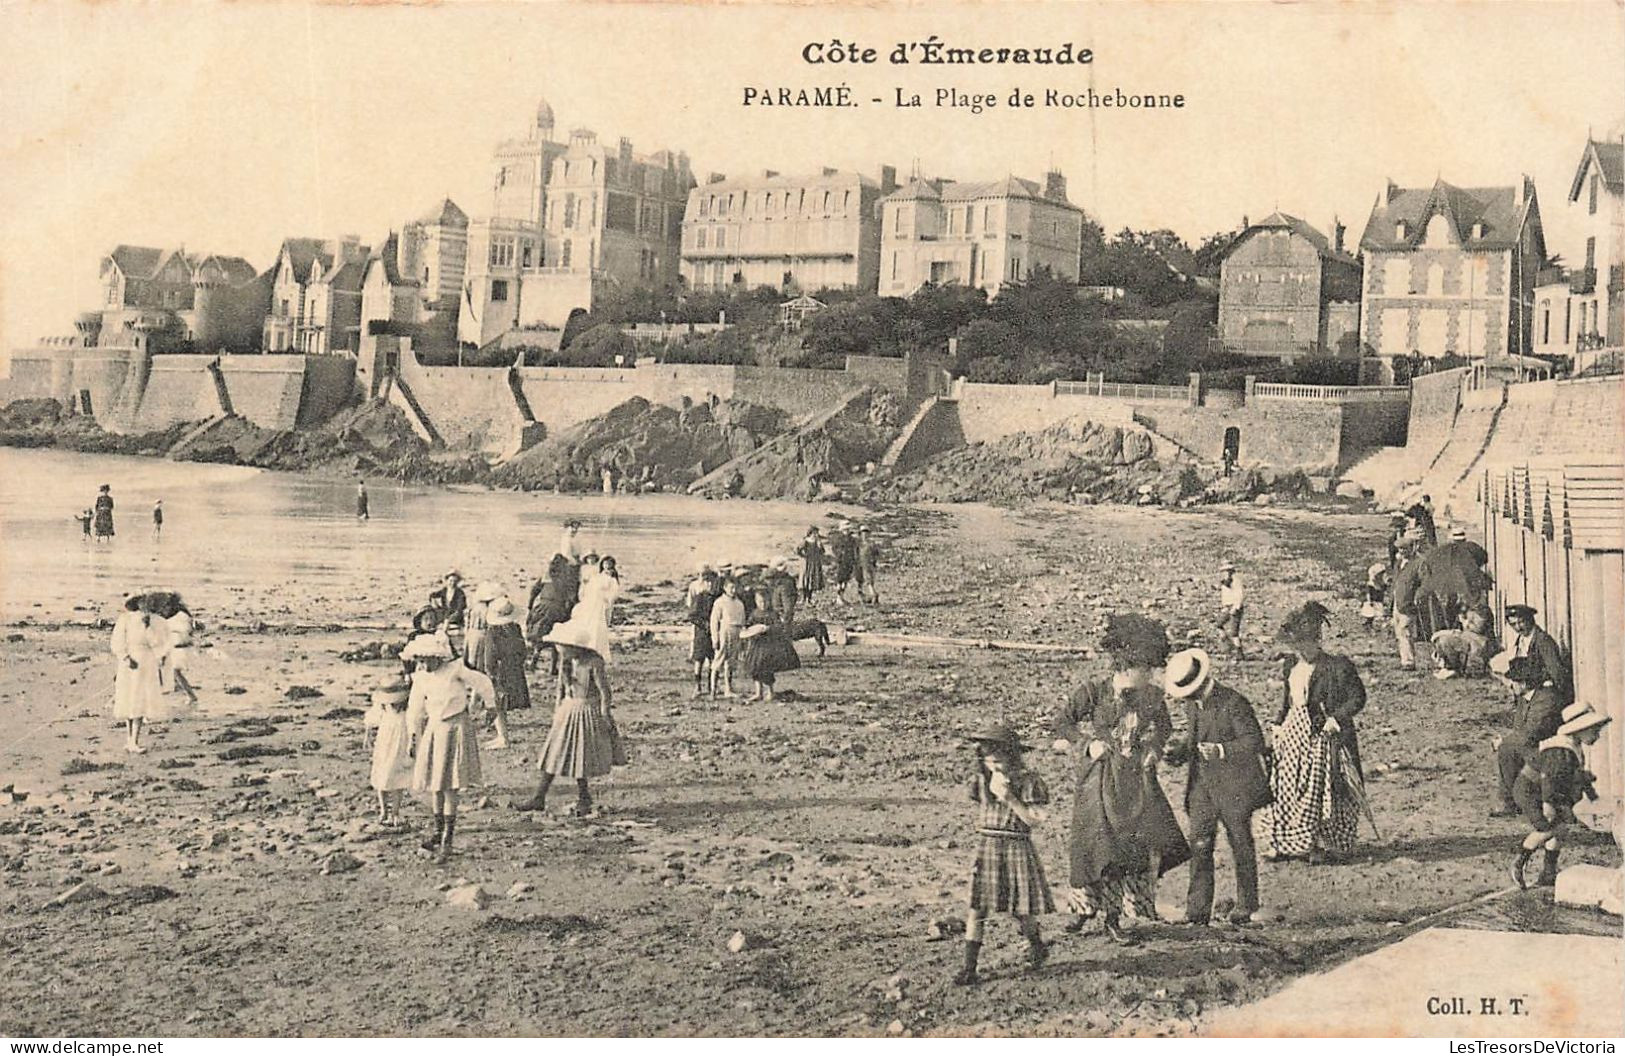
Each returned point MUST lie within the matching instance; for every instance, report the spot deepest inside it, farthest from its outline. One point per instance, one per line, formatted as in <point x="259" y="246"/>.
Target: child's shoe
<point x="1548" y="871"/>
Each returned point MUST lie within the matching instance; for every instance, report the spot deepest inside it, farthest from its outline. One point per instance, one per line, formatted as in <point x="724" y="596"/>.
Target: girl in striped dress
<point x="1007" y="878"/>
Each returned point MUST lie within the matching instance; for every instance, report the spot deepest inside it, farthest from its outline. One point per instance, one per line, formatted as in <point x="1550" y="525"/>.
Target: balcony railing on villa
<point x="1332" y="393"/>
<point x="1123" y="390"/>
<point x="1583" y="280"/>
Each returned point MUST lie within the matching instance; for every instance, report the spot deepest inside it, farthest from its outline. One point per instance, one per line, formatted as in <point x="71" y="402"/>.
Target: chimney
<point x="829" y="171"/>
<point x="626" y="153"/>
<point x="888" y="179"/>
<point x="1392" y="192"/>
<point x="768" y="174"/>
<point x="715" y="177"/>
<point x="1055" y="186"/>
<point x="1338" y="231"/>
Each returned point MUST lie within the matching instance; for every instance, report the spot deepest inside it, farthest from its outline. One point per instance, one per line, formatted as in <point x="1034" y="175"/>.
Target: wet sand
<point x="831" y="829"/>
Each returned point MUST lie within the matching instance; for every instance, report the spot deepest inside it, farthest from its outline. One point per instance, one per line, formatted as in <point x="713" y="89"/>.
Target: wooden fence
<point x="1556" y="539"/>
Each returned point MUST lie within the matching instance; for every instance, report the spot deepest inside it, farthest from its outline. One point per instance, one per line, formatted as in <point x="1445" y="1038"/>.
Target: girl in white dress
<point x="182" y="632"/>
<point x="447" y="753"/>
<point x="140" y="643"/>
<point x="391" y="747"/>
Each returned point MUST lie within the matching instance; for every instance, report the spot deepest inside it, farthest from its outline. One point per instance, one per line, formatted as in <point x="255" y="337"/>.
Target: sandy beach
<point x="830" y="829"/>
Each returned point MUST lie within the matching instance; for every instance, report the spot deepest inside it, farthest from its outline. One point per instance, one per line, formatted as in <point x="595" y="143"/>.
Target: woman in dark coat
<point x="843" y="550"/>
<point x="1124" y="834"/>
<point x="811" y="553"/>
<point x="104" y="513"/>
<point x="1316" y="778"/>
<point x="767" y="651"/>
<point x="501" y="655"/>
<point x="551" y="600"/>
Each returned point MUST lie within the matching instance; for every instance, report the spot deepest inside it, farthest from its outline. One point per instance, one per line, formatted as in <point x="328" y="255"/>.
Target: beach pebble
<point x="468" y="896"/>
<point x="520" y="888"/>
<point x="739" y="942"/>
<point x="340" y="862"/>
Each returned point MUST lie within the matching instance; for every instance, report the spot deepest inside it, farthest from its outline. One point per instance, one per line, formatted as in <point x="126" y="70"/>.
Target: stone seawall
<point x="275" y="392"/>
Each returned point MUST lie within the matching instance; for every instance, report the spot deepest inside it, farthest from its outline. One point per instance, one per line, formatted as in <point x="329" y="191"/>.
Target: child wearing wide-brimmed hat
<point x="391" y="746"/>
<point x="1552" y="781"/>
<point x="1007" y="876"/>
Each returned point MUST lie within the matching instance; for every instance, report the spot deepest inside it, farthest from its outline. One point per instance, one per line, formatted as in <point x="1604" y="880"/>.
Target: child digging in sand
<point x="1007" y="877"/>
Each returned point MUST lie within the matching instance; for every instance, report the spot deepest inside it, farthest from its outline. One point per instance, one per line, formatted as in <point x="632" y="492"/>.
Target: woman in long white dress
<point x="140" y="644"/>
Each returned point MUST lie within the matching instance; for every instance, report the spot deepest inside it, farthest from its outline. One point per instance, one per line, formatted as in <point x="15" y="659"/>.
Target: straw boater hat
<point x="1376" y="566"/>
<point x="501" y="611"/>
<point x="487" y="591"/>
<point x="1188" y="671"/>
<point x="1579" y="716"/>
<point x="780" y="564"/>
<point x="1458" y="533"/>
<point x="1002" y="734"/>
<point x="453" y="574"/>
<point x="1228" y="566"/>
<point x="427" y="647"/>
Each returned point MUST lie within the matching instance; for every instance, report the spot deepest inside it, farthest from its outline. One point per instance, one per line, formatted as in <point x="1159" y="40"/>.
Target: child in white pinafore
<point x="391" y="748"/>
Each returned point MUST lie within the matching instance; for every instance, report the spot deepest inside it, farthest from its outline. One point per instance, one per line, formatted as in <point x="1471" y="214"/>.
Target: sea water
<point x="247" y="544"/>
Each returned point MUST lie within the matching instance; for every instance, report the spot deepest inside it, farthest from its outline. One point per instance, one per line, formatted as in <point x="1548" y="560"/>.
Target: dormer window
<point x="1401" y="231"/>
<point x="1478" y="229"/>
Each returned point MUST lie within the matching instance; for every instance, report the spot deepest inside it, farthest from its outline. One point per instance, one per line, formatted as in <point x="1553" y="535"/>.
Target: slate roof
<point x="348" y="277"/>
<point x="1609" y="157"/>
<point x="235" y="270"/>
<point x="950" y="191"/>
<point x="1497" y="207"/>
<point x="136" y="262"/>
<point x="446" y="214"/>
<point x="1302" y="228"/>
<point x="389" y="256"/>
<point x="304" y="252"/>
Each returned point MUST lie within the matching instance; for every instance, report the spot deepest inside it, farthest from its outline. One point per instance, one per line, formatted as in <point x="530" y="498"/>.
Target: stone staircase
<point x="399" y="394"/>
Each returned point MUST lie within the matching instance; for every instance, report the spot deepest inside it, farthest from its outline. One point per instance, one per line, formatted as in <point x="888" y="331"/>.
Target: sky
<point x="227" y="127"/>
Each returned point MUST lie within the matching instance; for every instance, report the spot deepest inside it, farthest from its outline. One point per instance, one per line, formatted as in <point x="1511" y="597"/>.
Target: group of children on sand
<point x="465" y="655"/>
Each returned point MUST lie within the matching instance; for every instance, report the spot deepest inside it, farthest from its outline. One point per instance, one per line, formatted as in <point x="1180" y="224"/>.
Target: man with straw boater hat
<point x="1228" y="781"/>
<point x="1551" y="782"/>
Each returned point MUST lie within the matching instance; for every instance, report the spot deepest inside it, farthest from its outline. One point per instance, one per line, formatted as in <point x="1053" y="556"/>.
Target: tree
<point x="1210" y="254"/>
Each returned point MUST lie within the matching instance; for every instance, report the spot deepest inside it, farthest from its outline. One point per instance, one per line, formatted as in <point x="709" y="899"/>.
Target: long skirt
<point x="391" y="754"/>
<point x="581" y="742"/>
<point x="767" y="654"/>
<point x="699" y="648"/>
<point x="448" y="756"/>
<point x="139" y="693"/>
<point x="1131" y="895"/>
<point x="1317" y="791"/>
<point x="1008" y="878"/>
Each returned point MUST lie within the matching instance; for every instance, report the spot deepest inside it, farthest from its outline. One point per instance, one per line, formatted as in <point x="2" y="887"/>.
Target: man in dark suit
<point x="1530" y="640"/>
<point x="1228" y="781"/>
<point x="1537" y="711"/>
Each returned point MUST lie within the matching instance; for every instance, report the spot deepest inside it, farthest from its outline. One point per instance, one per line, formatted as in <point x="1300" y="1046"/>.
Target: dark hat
<point x="1002" y="734"/>
<point x="1305" y="623"/>
<point x="1136" y="640"/>
<point x="1525" y="611"/>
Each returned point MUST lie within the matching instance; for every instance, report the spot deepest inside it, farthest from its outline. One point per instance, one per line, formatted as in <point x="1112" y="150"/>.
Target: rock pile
<point x="1071" y="460"/>
<point x="654" y="446"/>
<point x="808" y="461"/>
